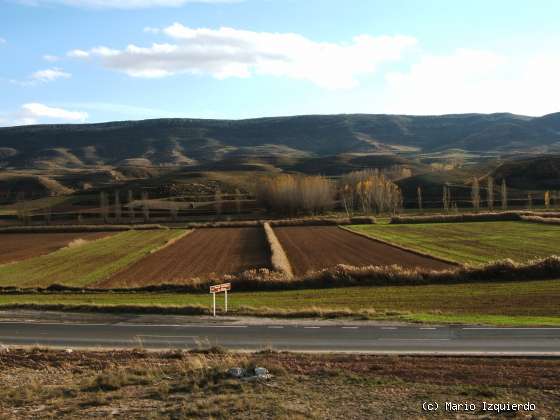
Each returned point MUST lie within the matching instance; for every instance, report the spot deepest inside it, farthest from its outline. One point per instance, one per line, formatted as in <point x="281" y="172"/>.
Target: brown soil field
<point x="208" y="253"/>
<point x="43" y="383"/>
<point x="317" y="247"/>
<point x="21" y="246"/>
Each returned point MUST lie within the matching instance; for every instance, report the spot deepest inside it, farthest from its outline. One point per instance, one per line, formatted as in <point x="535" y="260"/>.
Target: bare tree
<point x="173" y="210"/>
<point x="347" y="196"/>
<point x="218" y="201"/>
<point x="530" y="201"/>
<point x="370" y="191"/>
<point x="475" y="194"/>
<point x="419" y="197"/>
<point x="20" y="206"/>
<point x="490" y="193"/>
<point x="547" y="199"/>
<point x="446" y="198"/>
<point x="291" y="194"/>
<point x="130" y="205"/>
<point x="48" y="215"/>
<point x="104" y="206"/>
<point x="238" y="200"/>
<point x="145" y="206"/>
<point x="118" y="208"/>
<point x="504" y="195"/>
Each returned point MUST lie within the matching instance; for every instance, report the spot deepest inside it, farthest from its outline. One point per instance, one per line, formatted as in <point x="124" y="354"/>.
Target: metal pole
<point x="226" y="299"/>
<point x="214" y="301"/>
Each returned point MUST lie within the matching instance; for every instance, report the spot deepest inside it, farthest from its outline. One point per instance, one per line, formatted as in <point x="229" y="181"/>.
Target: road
<point x="293" y="336"/>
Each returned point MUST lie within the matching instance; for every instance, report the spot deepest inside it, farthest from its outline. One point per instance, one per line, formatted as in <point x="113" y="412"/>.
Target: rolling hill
<point x="165" y="142"/>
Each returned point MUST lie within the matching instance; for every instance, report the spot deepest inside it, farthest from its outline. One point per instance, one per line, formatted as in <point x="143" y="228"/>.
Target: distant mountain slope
<point x="194" y="141"/>
<point x="531" y="173"/>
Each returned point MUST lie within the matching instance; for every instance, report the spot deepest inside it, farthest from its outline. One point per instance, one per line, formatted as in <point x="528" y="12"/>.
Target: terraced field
<point x="317" y="247"/>
<point x="21" y="246"/>
<point x="85" y="264"/>
<point x="208" y="253"/>
<point x="473" y="242"/>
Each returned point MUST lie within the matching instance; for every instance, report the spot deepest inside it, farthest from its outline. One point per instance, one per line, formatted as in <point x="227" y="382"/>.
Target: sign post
<point x="218" y="288"/>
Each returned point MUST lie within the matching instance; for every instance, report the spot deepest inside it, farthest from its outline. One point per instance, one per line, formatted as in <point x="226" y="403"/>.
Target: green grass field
<point x="513" y="303"/>
<point x="473" y="242"/>
<point x="85" y="264"/>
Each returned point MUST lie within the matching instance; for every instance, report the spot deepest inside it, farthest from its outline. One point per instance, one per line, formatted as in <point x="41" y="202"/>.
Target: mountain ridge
<point x="190" y="141"/>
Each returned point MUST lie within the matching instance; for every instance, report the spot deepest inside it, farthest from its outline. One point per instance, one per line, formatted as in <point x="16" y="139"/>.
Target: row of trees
<point x="369" y="191"/>
<point x="492" y="195"/>
<point x="366" y="191"/>
<point x="117" y="207"/>
<point x="293" y="194"/>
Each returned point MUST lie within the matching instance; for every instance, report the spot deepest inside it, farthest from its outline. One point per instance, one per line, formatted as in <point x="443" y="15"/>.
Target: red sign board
<point x="220" y="288"/>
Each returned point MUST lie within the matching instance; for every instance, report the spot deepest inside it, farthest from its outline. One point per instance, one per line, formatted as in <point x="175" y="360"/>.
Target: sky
<point x="76" y="61"/>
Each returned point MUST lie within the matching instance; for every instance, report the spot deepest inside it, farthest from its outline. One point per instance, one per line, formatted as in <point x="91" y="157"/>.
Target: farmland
<point x="317" y="247"/>
<point x="87" y="263"/>
<point x="21" y="246"/>
<point x="203" y="253"/>
<point x="474" y="242"/>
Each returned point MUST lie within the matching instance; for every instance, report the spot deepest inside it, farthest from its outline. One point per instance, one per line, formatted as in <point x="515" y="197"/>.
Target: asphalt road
<point x="306" y="336"/>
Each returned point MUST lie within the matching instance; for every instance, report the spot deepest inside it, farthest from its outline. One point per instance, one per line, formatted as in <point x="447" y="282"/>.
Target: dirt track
<point x="317" y="247"/>
<point x="208" y="253"/>
<point x="21" y="246"/>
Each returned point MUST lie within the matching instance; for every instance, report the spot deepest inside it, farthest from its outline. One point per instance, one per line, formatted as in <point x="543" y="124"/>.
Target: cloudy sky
<point x="72" y="61"/>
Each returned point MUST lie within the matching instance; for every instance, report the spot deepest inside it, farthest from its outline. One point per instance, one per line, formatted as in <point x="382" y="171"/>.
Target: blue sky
<point x="100" y="60"/>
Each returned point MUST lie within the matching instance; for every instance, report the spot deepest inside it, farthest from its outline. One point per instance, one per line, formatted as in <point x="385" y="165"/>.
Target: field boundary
<point x="542" y="220"/>
<point x="152" y="251"/>
<point x="278" y="257"/>
<point x="341" y="276"/>
<point x="497" y="216"/>
<point x="401" y="247"/>
<point x="78" y="228"/>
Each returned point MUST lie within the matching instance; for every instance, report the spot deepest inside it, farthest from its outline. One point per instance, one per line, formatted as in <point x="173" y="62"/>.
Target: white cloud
<point x="34" y="113"/>
<point x="77" y="54"/>
<point x="43" y="76"/>
<point x="121" y="4"/>
<point x="51" y="58"/>
<point x="50" y="75"/>
<point x="475" y="81"/>
<point x="37" y="113"/>
<point x="228" y="52"/>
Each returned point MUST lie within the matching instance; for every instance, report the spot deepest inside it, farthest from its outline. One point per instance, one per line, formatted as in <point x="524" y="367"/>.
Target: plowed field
<point x="317" y="247"/>
<point x="21" y="246"/>
<point x="205" y="253"/>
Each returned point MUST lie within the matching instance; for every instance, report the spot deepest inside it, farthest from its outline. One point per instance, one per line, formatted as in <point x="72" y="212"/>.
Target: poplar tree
<point x="490" y="193"/>
<point x="475" y="194"/>
<point x="504" y="195"/>
<point x="130" y="199"/>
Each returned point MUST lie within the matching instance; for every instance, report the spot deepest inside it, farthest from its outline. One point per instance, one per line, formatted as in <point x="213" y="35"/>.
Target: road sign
<point x="218" y="288"/>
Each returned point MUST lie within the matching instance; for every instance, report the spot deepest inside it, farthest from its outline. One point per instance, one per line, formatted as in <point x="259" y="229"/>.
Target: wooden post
<point x="214" y="306"/>
<point x="225" y="297"/>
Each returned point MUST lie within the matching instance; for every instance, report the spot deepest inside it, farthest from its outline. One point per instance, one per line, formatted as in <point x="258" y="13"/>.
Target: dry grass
<point x="459" y="218"/>
<point x="279" y="259"/>
<point x="77" y="242"/>
<point x="41" y="383"/>
<point x="539" y="219"/>
<point x="477" y="217"/>
<point x="302" y="221"/>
